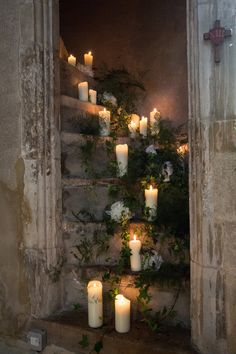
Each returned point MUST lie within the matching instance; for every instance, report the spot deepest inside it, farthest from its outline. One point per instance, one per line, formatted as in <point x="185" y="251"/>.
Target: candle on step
<point x="122" y="159"/>
<point x="135" y="258"/>
<point x="88" y="59"/>
<point x="122" y="314"/>
<point x="154" y="121"/>
<point x="95" y="304"/>
<point x="93" y="96"/>
<point x="133" y="128"/>
<point x="143" y="126"/>
<point x="151" y="201"/>
<point x="83" y="91"/>
<point x="104" y="122"/>
<point x="72" y="60"/>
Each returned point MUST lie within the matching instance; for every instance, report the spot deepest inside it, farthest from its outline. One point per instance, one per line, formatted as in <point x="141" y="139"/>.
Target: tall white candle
<point x="122" y="314"/>
<point x="143" y="126"/>
<point x="135" y="258"/>
<point x="72" y="60"/>
<point x="104" y="122"/>
<point x="95" y="304"/>
<point x="83" y="91"/>
<point x="88" y="59"/>
<point x="122" y="159"/>
<point x="151" y="201"/>
<point x="93" y="96"/>
<point x="154" y="121"/>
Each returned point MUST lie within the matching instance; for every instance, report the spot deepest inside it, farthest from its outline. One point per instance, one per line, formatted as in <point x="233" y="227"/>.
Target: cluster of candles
<point x="88" y="59"/>
<point x="142" y="124"/>
<point x="122" y="304"/>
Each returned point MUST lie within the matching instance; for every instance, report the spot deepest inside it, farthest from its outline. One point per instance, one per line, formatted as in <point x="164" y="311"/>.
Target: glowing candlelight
<point x="151" y="201"/>
<point x="104" y="122"/>
<point x="122" y="159"/>
<point x="143" y="126"/>
<point x="135" y="258"/>
<point x="122" y="314"/>
<point x="72" y="60"/>
<point x="88" y="59"/>
<point x="95" y="304"/>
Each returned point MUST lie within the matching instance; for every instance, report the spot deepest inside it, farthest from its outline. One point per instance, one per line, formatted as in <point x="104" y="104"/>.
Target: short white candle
<point x="135" y="258"/>
<point x="72" y="60"/>
<point x="122" y="314"/>
<point x="143" y="126"/>
<point x="93" y="96"/>
<point x="83" y="91"/>
<point x="151" y="201"/>
<point x="133" y="128"/>
<point x="104" y="122"/>
<point x="88" y="59"/>
<point x="154" y="121"/>
<point x="95" y="304"/>
<point x="122" y="159"/>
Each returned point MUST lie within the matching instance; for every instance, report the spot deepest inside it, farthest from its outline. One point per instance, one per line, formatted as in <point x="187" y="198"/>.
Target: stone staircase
<point x="83" y="190"/>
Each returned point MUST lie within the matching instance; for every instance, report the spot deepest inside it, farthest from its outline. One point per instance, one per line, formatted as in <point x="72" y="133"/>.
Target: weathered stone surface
<point x="74" y="161"/>
<point x="70" y="77"/>
<point x="212" y="89"/>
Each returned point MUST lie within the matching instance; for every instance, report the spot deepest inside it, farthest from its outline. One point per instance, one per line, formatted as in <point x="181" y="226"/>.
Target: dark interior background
<point x="147" y="37"/>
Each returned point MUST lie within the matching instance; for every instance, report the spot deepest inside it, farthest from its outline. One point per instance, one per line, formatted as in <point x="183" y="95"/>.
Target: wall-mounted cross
<point x="217" y="35"/>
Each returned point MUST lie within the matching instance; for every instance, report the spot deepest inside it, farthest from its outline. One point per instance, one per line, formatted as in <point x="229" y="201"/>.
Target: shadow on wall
<point x="148" y="38"/>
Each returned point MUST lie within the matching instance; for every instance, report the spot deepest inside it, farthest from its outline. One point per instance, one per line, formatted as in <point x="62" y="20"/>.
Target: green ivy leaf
<point x="98" y="346"/>
<point x="84" y="343"/>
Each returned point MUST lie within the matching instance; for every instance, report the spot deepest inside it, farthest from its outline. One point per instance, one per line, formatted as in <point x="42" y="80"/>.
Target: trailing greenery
<point x="170" y="228"/>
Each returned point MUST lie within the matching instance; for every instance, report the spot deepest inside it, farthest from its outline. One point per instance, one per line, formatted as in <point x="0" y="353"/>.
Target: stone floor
<point x="20" y="347"/>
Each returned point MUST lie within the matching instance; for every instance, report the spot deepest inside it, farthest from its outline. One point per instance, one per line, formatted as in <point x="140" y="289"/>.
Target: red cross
<point x="217" y="35"/>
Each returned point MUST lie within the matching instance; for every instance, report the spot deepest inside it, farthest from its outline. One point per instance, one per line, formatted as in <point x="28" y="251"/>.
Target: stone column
<point x="40" y="151"/>
<point x="212" y="135"/>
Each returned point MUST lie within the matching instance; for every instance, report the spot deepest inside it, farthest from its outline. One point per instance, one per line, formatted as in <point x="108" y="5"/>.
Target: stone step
<point x="67" y="330"/>
<point x="78" y="116"/>
<point x="92" y="200"/>
<point x="70" y="76"/>
<point x="101" y="249"/>
<point x="76" y="164"/>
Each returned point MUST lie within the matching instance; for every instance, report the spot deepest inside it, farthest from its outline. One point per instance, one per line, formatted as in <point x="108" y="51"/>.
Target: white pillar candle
<point x="93" y="96"/>
<point x="122" y="314"/>
<point x="83" y="91"/>
<point x="143" y="126"/>
<point x="88" y="59"/>
<point x="72" y="60"/>
<point x="122" y="159"/>
<point x="104" y="122"/>
<point x="95" y="305"/>
<point x="151" y="201"/>
<point x="135" y="258"/>
<point x="133" y="128"/>
<point x="154" y="121"/>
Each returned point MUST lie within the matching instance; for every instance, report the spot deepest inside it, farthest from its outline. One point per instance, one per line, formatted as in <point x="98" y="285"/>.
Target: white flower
<point x="119" y="211"/>
<point x="110" y="98"/>
<point x="153" y="260"/>
<point x="151" y="150"/>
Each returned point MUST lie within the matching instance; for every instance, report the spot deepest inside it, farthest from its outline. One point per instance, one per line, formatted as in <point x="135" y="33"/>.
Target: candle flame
<point x="135" y="237"/>
<point x="155" y="110"/>
<point x="150" y="188"/>
<point x="89" y="53"/>
<point x="104" y="110"/>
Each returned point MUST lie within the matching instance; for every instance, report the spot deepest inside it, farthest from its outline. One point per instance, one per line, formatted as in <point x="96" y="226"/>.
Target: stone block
<point x="91" y="200"/>
<point x="102" y="249"/>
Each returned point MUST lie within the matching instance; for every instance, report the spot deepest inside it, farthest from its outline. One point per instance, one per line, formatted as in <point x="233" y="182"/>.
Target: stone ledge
<point x="78" y="182"/>
<point x="67" y="329"/>
<point x="75" y="103"/>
